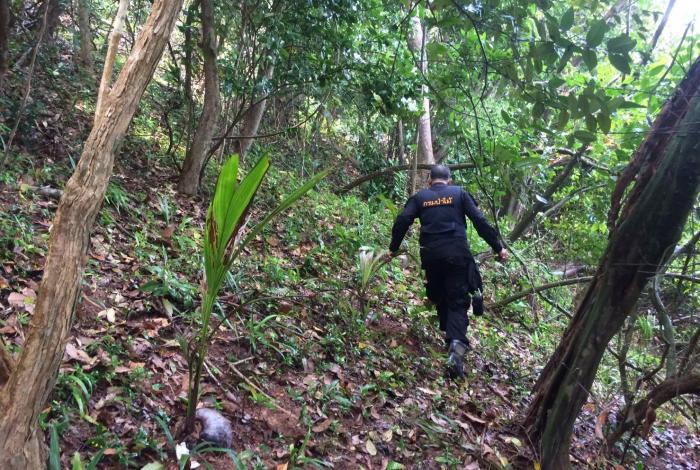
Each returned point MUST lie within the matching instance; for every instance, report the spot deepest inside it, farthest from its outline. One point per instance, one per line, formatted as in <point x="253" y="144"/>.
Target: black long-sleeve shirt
<point x="442" y="211"/>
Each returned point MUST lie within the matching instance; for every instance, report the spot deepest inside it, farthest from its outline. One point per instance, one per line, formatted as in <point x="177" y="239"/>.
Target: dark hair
<point x="440" y="172"/>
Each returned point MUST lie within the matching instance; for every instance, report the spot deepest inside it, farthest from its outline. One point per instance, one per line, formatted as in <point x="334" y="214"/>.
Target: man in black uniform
<point x="450" y="269"/>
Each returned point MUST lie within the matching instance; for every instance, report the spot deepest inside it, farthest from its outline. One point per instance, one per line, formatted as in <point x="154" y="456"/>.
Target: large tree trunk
<point x="416" y="43"/>
<point x="30" y="384"/>
<point x="86" y="45"/>
<point x="4" y="38"/>
<point x="252" y="118"/>
<point x="54" y="17"/>
<point x="198" y="151"/>
<point x="640" y="241"/>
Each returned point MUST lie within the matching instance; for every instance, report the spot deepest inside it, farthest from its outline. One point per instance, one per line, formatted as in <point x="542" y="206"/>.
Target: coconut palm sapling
<point x="226" y="217"/>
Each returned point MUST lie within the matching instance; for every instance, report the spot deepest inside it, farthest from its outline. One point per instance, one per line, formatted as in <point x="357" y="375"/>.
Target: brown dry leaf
<point x="600" y="422"/>
<point x="322" y="426"/>
<point x="282" y="466"/>
<point x="370" y="447"/>
<point x="167" y="233"/>
<point x="15" y="299"/>
<point x="471" y="465"/>
<point x="282" y="423"/>
<point x="79" y="355"/>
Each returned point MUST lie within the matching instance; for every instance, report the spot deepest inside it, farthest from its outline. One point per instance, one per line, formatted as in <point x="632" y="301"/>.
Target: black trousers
<point x="447" y="287"/>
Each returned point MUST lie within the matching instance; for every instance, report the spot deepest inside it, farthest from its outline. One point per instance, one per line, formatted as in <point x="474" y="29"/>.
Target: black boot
<point x="455" y="368"/>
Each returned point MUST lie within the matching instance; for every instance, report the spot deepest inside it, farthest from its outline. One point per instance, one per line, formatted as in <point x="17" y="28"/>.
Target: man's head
<point x="439" y="174"/>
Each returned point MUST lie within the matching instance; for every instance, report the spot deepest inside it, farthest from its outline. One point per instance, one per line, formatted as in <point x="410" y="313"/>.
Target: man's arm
<point x="402" y="223"/>
<point x="483" y="228"/>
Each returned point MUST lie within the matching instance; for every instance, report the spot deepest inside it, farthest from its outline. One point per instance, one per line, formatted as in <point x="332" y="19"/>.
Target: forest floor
<point x="306" y="379"/>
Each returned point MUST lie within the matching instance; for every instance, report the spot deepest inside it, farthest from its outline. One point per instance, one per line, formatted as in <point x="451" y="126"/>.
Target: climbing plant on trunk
<point x="32" y="379"/>
<point x="666" y="175"/>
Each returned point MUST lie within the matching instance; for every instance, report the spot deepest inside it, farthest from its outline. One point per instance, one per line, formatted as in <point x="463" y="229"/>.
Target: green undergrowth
<point x="291" y="335"/>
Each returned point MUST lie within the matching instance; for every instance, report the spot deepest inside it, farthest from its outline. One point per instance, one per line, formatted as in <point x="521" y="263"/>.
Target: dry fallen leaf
<point x="370" y="447"/>
<point x="600" y="422"/>
<point x="322" y="426"/>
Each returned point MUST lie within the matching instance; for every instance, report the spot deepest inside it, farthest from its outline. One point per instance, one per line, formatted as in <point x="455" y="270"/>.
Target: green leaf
<point x="567" y="21"/>
<point x="604" y="122"/>
<point x="54" y="450"/>
<point x="621" y="62"/>
<point x="563" y="120"/>
<point x="621" y="44"/>
<point x="584" y="136"/>
<point x="565" y="58"/>
<point x="596" y="33"/>
<point x="224" y="218"/>
<point x="629" y="105"/>
<point x="76" y="462"/>
<point x="590" y="59"/>
<point x="506" y="117"/>
<point x="591" y="123"/>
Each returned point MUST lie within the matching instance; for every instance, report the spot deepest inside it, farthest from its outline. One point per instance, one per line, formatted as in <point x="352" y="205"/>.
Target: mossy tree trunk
<point x="667" y="177"/>
<point x="33" y="377"/>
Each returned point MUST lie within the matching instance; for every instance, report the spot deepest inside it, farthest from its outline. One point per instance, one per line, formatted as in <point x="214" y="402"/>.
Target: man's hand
<point x="503" y="255"/>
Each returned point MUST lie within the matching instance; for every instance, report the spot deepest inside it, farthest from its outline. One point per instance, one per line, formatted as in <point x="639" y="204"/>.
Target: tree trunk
<point x="4" y="38"/>
<point x="651" y="224"/>
<point x="54" y="18"/>
<point x="416" y="43"/>
<point x="86" y="46"/>
<point x="529" y="216"/>
<point x="252" y="118"/>
<point x="29" y="386"/>
<point x="198" y="151"/>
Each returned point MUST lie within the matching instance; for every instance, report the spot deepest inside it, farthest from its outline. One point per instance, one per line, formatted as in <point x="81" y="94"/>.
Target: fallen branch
<point x="644" y="411"/>
<point x="394" y="169"/>
<point x="536" y="289"/>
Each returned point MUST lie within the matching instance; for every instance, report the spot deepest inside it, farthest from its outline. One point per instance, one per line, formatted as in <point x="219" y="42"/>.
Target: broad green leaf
<point x="596" y="33"/>
<point x="590" y="59"/>
<point x="565" y="58"/>
<point x="563" y="120"/>
<point x="584" y="136"/>
<point x="621" y="44"/>
<point x="567" y="20"/>
<point x="591" y="123"/>
<point x="621" y="62"/>
<point x="604" y="121"/>
<point x="226" y="211"/>
<point x="629" y="105"/>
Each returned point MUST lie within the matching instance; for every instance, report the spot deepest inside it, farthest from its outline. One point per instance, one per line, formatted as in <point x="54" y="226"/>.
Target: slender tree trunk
<point x="252" y="118"/>
<point x="86" y="46"/>
<point x="400" y="142"/>
<point x="640" y="241"/>
<point x="4" y="39"/>
<point x="538" y="206"/>
<point x="416" y="43"/>
<point x="199" y="150"/>
<point x="32" y="380"/>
